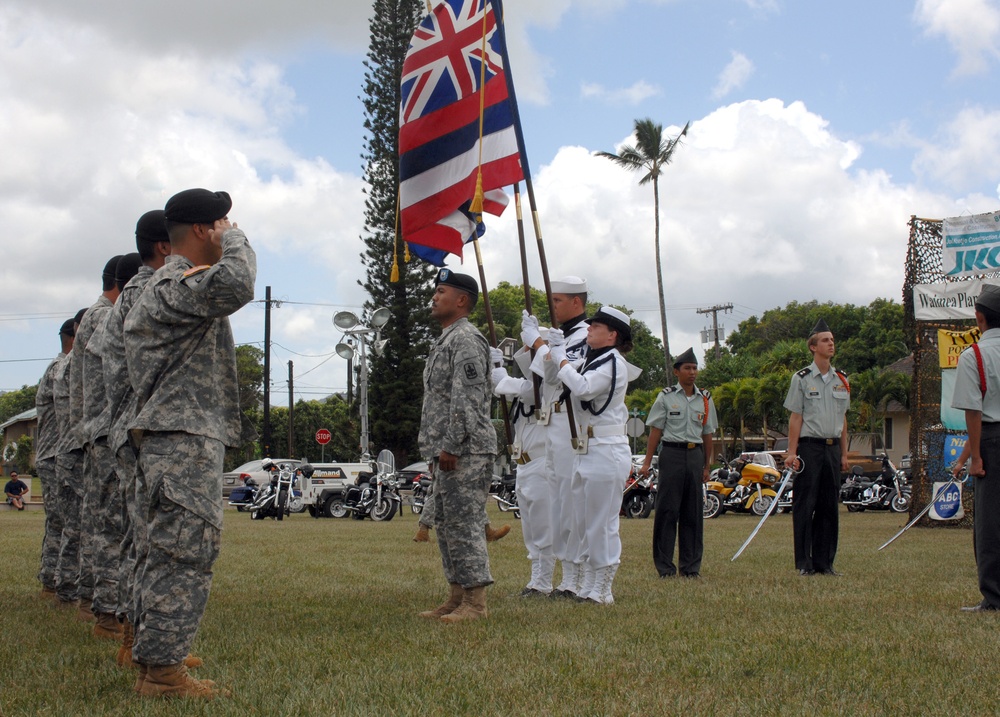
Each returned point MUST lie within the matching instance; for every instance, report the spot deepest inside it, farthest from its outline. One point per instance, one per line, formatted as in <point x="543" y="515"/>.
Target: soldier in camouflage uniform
<point x="182" y="366"/>
<point x="108" y="529"/>
<point x="154" y="247"/>
<point x="69" y="474"/>
<point x="46" y="449"/>
<point x="84" y="409"/>
<point x="458" y="440"/>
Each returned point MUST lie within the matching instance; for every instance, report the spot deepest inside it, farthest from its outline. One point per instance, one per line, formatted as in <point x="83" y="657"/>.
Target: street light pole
<point x="349" y="324"/>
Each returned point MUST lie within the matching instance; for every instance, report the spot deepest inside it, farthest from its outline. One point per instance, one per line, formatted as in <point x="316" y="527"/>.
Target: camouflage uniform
<point x="69" y="463"/>
<point x="182" y="366"/>
<point x="456" y="419"/>
<point x="45" y="466"/>
<point x="121" y="404"/>
<point x="80" y="433"/>
<point x="103" y="480"/>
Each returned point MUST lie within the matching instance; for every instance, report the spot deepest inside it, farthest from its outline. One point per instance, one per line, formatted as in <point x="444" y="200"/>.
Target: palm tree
<point x="871" y="392"/>
<point x="649" y="155"/>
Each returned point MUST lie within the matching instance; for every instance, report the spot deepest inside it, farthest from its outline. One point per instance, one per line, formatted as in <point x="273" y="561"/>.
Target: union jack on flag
<point x="439" y="135"/>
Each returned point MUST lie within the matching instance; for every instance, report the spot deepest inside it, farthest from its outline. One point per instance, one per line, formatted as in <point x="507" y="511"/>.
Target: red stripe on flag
<point x="450" y="118"/>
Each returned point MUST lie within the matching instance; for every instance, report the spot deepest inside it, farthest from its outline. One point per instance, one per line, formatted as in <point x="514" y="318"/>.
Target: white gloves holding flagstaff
<point x="557" y="346"/>
<point x="529" y="329"/>
<point x="496" y="356"/>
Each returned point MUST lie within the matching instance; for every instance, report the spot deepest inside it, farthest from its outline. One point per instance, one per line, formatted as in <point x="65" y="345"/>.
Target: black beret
<point x="67" y="328"/>
<point x="110" y="268"/>
<point x="460" y="281"/>
<point x="197" y="206"/>
<point x="127" y="268"/>
<point x="79" y="315"/>
<point x="820" y="328"/>
<point x="151" y="228"/>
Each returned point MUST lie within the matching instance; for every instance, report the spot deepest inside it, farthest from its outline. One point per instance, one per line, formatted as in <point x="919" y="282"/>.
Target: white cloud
<point x="635" y="94"/>
<point x="734" y="75"/>
<point x="971" y="27"/>
<point x="966" y="152"/>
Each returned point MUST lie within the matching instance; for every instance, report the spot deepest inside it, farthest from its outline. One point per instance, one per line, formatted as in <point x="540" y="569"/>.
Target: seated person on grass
<point x="15" y="490"/>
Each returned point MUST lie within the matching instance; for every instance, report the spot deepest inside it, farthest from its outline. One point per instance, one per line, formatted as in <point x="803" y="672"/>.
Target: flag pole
<point x="532" y="204"/>
<point x="536" y="380"/>
<point x="493" y="339"/>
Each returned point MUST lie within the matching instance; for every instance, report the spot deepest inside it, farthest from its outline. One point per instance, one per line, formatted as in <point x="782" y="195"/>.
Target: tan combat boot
<point x="85" y="613"/>
<point x="423" y="534"/>
<point x="124" y="656"/>
<point x="191" y="662"/>
<point x="140" y="678"/>
<point x="473" y="606"/>
<point x="107" y="627"/>
<point x="174" y="681"/>
<point x="48" y="593"/>
<point x="452" y="603"/>
<point x="493" y="535"/>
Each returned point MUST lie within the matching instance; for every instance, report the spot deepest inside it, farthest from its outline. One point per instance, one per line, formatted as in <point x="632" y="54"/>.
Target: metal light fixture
<point x="345" y="320"/>
<point x="349" y="323"/>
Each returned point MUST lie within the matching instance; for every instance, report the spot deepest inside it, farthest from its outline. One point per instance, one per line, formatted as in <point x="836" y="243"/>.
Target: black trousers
<point x="986" y="526"/>
<point x="815" y="509"/>
<point x="679" y="511"/>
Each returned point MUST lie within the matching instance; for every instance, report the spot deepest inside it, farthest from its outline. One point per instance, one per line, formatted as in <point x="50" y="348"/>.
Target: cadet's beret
<point x="79" y="315"/>
<point x="127" y="268"/>
<point x="197" y="206"/>
<point x="151" y="228"/>
<point x="819" y="328"/>
<point x="989" y="297"/>
<point x="460" y="281"/>
<point x="686" y="357"/>
<point x="110" y="268"/>
<point x="569" y="285"/>
<point x="67" y="328"/>
<point x="614" y="319"/>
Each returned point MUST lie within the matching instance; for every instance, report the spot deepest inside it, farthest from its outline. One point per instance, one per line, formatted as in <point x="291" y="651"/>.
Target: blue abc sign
<point x="948" y="503"/>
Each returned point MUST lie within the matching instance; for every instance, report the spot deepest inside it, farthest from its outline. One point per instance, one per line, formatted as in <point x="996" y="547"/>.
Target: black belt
<point x="820" y="441"/>
<point x="682" y="446"/>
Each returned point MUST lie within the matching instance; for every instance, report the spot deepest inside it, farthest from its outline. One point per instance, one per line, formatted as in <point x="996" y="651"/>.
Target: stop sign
<point x="323" y="436"/>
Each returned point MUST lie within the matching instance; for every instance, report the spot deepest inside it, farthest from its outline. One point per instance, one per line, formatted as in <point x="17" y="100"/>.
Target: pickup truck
<point x="323" y="494"/>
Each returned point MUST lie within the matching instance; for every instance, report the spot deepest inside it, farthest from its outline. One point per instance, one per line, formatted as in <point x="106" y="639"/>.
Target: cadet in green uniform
<point x="981" y="404"/>
<point x="818" y="399"/>
<point x="682" y="421"/>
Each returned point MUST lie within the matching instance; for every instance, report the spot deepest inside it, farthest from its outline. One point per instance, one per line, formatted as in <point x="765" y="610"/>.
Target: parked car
<point x="234" y="478"/>
<point x="407" y="475"/>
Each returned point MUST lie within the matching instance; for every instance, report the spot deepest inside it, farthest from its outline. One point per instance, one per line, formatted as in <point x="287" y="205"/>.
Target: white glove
<point x="557" y="338"/>
<point x="496" y="356"/>
<point x="557" y="353"/>
<point x="529" y="328"/>
<point x="498" y="375"/>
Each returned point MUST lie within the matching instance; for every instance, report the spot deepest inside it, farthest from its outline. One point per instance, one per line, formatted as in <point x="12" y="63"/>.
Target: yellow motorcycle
<point x="742" y="487"/>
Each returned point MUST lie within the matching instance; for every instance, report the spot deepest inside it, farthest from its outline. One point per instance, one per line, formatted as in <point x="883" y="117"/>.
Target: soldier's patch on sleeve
<point x="471" y="369"/>
<point x="470" y="372"/>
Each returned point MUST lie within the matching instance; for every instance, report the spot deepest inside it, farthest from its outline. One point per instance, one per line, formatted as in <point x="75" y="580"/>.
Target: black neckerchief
<point x="568" y="326"/>
<point x="596" y="358"/>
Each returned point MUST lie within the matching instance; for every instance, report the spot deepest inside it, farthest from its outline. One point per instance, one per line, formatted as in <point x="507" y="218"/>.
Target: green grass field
<point x="318" y="617"/>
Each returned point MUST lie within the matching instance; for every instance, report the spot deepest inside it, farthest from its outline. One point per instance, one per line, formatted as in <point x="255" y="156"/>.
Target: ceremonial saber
<point x="922" y="513"/>
<point x="789" y="472"/>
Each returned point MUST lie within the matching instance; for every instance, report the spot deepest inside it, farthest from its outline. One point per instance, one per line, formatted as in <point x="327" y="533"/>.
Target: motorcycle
<point x="745" y="487"/>
<point x="889" y="491"/>
<point x="242" y="497"/>
<point x="506" y="494"/>
<point x="639" y="495"/>
<point x="375" y="495"/>
<point x="271" y="499"/>
<point x="421" y="487"/>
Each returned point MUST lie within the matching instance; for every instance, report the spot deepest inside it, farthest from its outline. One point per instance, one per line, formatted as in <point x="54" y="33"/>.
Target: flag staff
<point x="536" y="380"/>
<point x="493" y="338"/>
<point x="532" y="204"/>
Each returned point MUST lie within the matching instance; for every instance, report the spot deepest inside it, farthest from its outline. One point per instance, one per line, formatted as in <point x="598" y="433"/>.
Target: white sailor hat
<point x="569" y="285"/>
<point x="614" y="319"/>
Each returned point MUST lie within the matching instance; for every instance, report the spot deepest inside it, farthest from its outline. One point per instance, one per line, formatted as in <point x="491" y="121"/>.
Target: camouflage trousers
<point x="69" y="469"/>
<point x="428" y="516"/>
<point x="107" y="526"/>
<point x="88" y="523"/>
<point x="460" y="505"/>
<point x="46" y="470"/>
<point x="126" y="554"/>
<point x="179" y="495"/>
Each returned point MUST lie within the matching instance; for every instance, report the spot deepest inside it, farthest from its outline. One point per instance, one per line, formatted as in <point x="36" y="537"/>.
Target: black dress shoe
<point x="981" y="607"/>
<point x="806" y="573"/>
<point x="562" y="595"/>
<point x="831" y="572"/>
<point x="531" y="592"/>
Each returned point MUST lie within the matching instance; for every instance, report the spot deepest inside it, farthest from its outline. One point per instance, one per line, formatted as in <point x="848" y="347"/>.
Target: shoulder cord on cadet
<point x="843" y="379"/>
<point x="590" y="366"/>
<point x="982" y="371"/>
<point x="518" y="409"/>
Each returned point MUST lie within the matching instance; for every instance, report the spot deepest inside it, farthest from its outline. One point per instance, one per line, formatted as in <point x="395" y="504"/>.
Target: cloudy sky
<point x="817" y="130"/>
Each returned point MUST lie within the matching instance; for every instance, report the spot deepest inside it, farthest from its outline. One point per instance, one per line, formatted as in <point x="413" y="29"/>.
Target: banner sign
<point x="971" y="244"/>
<point x="947" y="505"/>
<point x="948" y="299"/>
<point x="953" y="446"/>
<point x="951" y="344"/>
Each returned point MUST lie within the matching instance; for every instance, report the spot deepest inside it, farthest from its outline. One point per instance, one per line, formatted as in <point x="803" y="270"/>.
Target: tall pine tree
<point x="395" y="385"/>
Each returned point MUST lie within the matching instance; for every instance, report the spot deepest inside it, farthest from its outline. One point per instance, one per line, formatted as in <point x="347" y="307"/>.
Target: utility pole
<point x="714" y="311"/>
<point x="291" y="408"/>
<point x="265" y="439"/>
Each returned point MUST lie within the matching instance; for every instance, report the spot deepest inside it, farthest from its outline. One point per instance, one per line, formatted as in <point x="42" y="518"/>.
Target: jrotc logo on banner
<point x="948" y="503"/>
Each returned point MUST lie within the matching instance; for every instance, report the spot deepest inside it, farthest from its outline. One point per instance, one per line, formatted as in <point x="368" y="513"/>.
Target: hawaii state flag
<point x="439" y="134"/>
